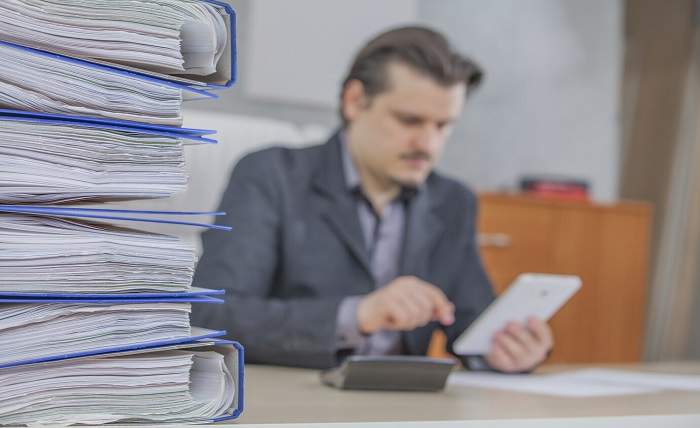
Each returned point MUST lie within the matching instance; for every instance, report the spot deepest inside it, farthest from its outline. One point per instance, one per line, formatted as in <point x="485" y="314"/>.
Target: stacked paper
<point x="95" y="318"/>
<point x="35" y="257"/>
<point x="51" y="162"/>
<point x="169" y="36"/>
<point x="34" y="331"/>
<point x="170" y="386"/>
<point x="37" y="81"/>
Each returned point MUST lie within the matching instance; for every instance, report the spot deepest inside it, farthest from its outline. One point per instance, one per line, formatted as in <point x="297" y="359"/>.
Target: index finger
<point x="442" y="307"/>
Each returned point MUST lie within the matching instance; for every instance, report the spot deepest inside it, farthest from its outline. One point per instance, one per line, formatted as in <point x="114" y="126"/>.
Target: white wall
<point x="550" y="102"/>
<point x="284" y="34"/>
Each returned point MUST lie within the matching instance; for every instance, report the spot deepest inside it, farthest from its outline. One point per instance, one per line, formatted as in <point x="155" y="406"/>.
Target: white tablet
<point x="530" y="295"/>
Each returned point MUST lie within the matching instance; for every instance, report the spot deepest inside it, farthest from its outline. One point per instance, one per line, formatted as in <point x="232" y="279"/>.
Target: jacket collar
<point x="339" y="208"/>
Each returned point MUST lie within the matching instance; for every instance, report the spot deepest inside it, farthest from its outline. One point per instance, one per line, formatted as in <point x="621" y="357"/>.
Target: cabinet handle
<point x="495" y="240"/>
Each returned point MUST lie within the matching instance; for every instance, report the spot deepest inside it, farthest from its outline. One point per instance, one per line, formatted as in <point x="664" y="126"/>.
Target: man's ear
<point x="354" y="99"/>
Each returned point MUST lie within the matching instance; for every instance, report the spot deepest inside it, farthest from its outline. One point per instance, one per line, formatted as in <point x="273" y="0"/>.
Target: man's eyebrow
<point x="396" y="111"/>
<point x="446" y="120"/>
<point x="404" y="113"/>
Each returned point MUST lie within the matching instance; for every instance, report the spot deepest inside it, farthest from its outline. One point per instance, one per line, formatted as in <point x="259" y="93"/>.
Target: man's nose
<point x="427" y="138"/>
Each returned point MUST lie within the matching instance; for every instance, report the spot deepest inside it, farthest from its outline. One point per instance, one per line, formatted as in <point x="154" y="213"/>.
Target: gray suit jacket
<point x="296" y="250"/>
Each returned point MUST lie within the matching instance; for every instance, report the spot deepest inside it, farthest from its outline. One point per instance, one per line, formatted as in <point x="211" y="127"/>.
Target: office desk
<point x="276" y="395"/>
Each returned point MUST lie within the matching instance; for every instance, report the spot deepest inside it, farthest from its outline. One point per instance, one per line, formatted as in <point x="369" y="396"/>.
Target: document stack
<point x="94" y="317"/>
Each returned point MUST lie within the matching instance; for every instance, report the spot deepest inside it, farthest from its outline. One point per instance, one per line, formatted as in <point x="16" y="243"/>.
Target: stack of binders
<point x="94" y="317"/>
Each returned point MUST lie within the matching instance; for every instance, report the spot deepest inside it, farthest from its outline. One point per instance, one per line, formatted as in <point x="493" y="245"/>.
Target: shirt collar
<point x="352" y="177"/>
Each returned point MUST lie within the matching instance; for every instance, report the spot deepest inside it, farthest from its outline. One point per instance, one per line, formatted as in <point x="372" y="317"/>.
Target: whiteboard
<point x="299" y="51"/>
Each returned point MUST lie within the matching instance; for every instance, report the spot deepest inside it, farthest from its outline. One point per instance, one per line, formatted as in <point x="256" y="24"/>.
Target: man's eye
<point x="408" y="120"/>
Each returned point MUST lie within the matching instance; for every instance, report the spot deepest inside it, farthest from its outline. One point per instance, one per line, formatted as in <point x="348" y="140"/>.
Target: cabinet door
<point x="605" y="246"/>
<point x="514" y="238"/>
<point x="609" y="250"/>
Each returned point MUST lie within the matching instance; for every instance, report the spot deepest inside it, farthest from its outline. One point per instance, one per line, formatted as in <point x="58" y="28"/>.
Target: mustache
<point x="416" y="155"/>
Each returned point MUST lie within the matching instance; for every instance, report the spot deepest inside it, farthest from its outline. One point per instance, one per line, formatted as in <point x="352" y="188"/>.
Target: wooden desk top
<point x="283" y="395"/>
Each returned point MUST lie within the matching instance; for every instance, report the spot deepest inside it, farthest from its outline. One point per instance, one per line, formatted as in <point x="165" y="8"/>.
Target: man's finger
<point x="417" y="315"/>
<point x="515" y="350"/>
<point x="523" y="335"/>
<point x="443" y="309"/>
<point x="397" y="316"/>
<point x="542" y="332"/>
<point x="499" y="359"/>
<point x="418" y="298"/>
<point x="423" y="301"/>
<point x="445" y="316"/>
<point x="401" y="314"/>
<point x="425" y="311"/>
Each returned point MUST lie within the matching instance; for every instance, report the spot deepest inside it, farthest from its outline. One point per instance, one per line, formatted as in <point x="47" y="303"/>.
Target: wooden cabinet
<point x="606" y="245"/>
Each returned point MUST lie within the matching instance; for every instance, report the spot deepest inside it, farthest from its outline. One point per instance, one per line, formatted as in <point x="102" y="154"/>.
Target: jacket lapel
<point x="338" y="206"/>
<point x="423" y="228"/>
<point x="339" y="210"/>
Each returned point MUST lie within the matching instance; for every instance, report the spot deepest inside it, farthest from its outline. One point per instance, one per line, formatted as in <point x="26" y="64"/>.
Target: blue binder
<point x="188" y="135"/>
<point x="194" y="292"/>
<point x="113" y="299"/>
<point x="113" y="214"/>
<point x="197" y="334"/>
<point x="113" y="69"/>
<point x="224" y="77"/>
<point x="237" y="363"/>
<point x="230" y="75"/>
<point x="234" y="357"/>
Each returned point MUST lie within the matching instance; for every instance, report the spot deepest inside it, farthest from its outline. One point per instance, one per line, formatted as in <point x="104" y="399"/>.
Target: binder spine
<point x="112" y="69"/>
<point x="232" y="40"/>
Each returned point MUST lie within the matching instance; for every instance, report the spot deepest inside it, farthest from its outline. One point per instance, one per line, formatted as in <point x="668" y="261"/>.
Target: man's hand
<point x="404" y="304"/>
<point x="519" y="348"/>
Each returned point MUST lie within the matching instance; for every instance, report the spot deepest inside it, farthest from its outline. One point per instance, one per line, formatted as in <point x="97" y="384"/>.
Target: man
<point x="356" y="245"/>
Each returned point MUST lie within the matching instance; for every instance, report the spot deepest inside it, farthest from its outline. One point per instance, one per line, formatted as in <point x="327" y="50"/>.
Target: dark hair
<point x="421" y="48"/>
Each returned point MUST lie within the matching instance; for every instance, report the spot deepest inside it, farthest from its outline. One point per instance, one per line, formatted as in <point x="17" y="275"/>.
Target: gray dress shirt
<point x="384" y="237"/>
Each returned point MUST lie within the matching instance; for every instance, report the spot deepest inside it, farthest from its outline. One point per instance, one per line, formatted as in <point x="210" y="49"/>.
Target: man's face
<point x="398" y="135"/>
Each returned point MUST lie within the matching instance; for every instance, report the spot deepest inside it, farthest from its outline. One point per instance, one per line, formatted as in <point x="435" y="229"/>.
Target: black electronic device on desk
<point x="390" y="373"/>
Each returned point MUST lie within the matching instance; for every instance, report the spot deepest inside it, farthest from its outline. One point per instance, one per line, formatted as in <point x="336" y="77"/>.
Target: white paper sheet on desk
<point x="646" y="379"/>
<point x="564" y="385"/>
